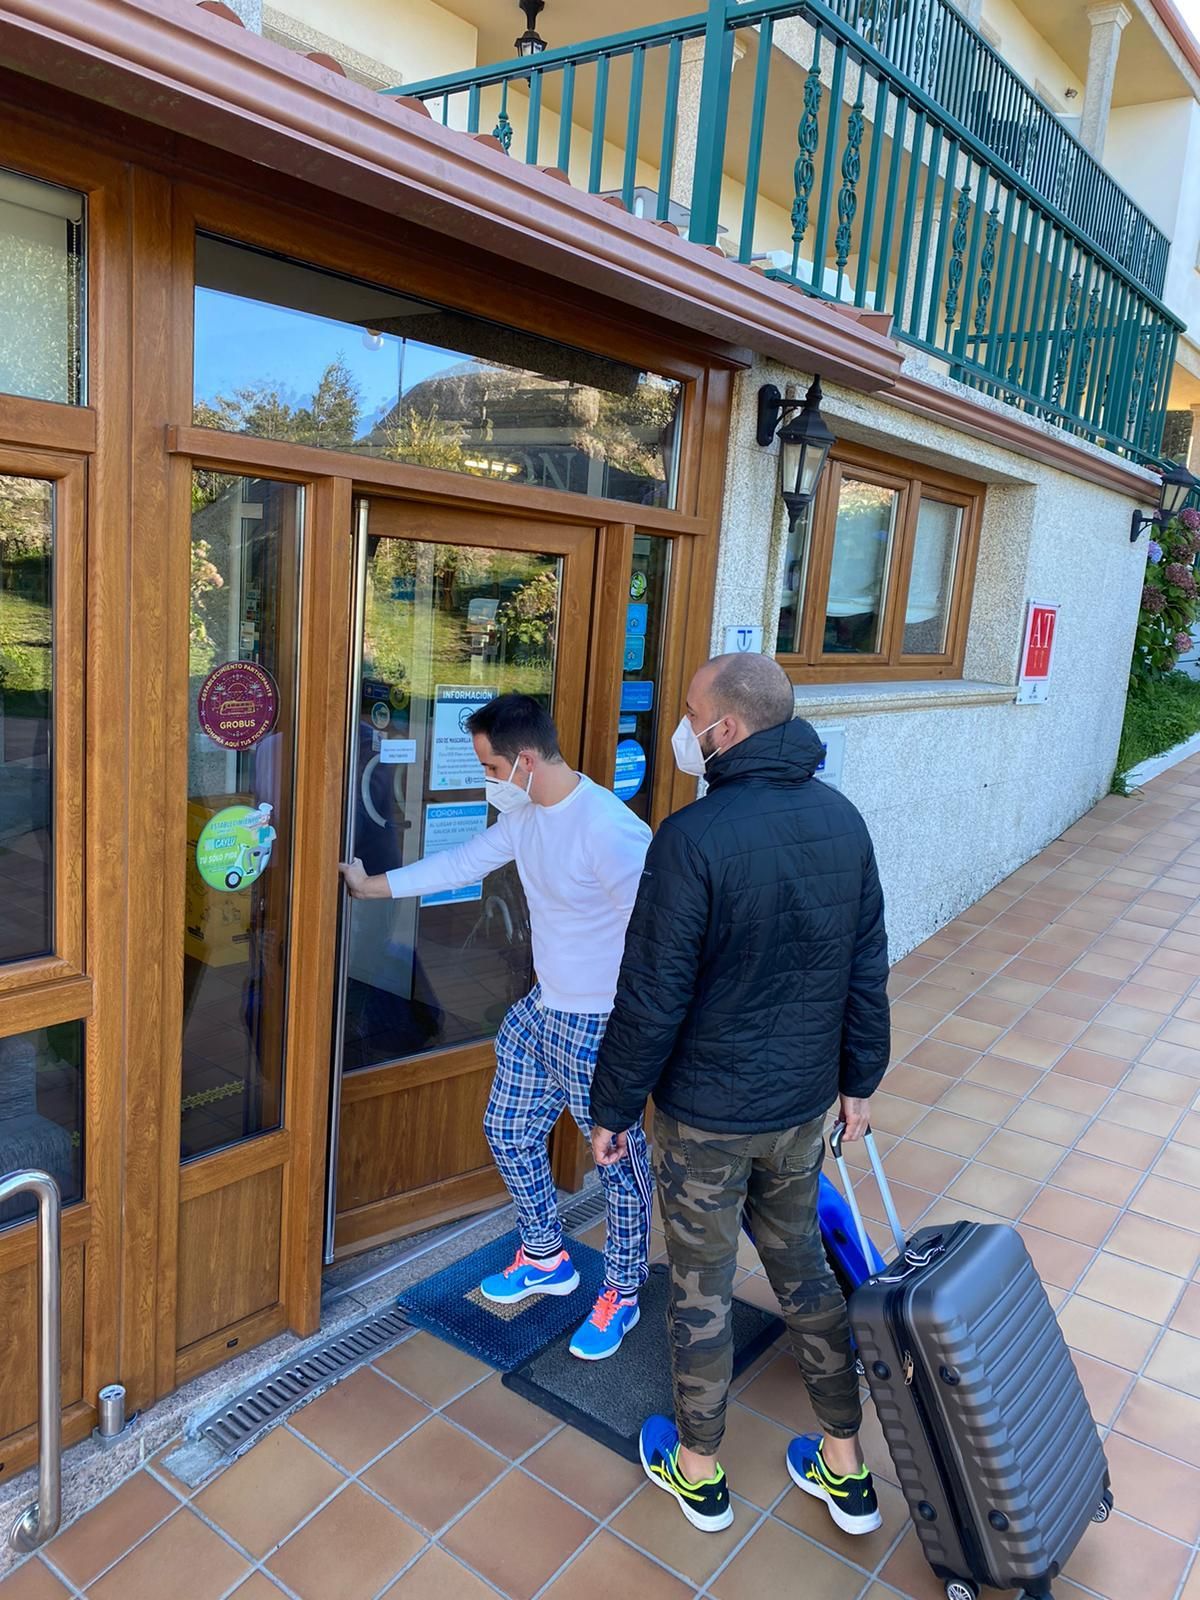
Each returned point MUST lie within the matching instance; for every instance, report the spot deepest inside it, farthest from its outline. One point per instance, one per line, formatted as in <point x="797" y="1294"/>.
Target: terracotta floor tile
<point x="902" y="1043"/>
<point x="261" y="1498"/>
<point x="314" y="1562"/>
<point x="1163" y="1418"/>
<point x="358" y="1418"/>
<point x="1165" y="1201"/>
<point x="1156" y="1244"/>
<point x="770" y="1562"/>
<point x="949" y="1059"/>
<point x="1107" y="1334"/>
<point x="431" y="1369"/>
<point x="914" y="1019"/>
<point x="920" y="1167"/>
<point x="1183" y="1031"/>
<point x="593" y="1477"/>
<point x="1169" y="982"/>
<point x="1105" y="1386"/>
<point x="434" y="1473"/>
<point x="1122" y="1560"/>
<point x="1017" y="1152"/>
<point x="1005" y="1193"/>
<point x="1092" y="1067"/>
<point x="1100" y="1180"/>
<point x="1188" y="1131"/>
<point x="1135" y="1111"/>
<point x="32" y="1581"/>
<point x="1016" y="991"/>
<point x="1028" y="1043"/>
<point x="1041" y="1121"/>
<point x="1070" y="1094"/>
<point x="437" y="1576"/>
<point x="1036" y="974"/>
<point x="1176" y="1363"/>
<point x="934" y="997"/>
<point x="801" y="1511"/>
<point x="1110" y="1041"/>
<point x="519" y="1535"/>
<point x="1181" y="1164"/>
<point x="1060" y="1002"/>
<point x="257" y="1587"/>
<point x="1154" y="1488"/>
<point x="1125" y="1145"/>
<point x="1137" y="995"/>
<point x="1071" y="1215"/>
<point x="960" y="1030"/>
<point x="960" y="1136"/>
<point x="1131" y="1286"/>
<point x="1153" y="1084"/>
<point x="1094" y="986"/>
<point x="892" y="1114"/>
<point x="985" y="1008"/>
<point x="993" y="1071"/>
<point x="756" y="1291"/>
<point x="779" y="1393"/>
<point x="654" y="1523"/>
<point x="1191" y="1588"/>
<point x="915" y="965"/>
<point x="1142" y="1024"/>
<point x="971" y="1100"/>
<point x="609" y="1566"/>
<point x="1173" y="1058"/>
<point x="911" y="1083"/>
<point x="181" y="1560"/>
<point x="108" y="1530"/>
<point x="1051" y="1027"/>
<point x="1187" y="1316"/>
<point x="908" y="1572"/>
<point x="502" y="1419"/>
<point x="1058" y="1261"/>
<point x="753" y="1454"/>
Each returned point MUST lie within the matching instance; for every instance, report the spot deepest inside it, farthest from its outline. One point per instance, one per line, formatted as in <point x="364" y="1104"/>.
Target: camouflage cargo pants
<point x="704" y="1181"/>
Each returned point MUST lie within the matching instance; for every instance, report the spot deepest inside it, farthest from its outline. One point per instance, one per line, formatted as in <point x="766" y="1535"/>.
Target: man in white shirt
<point x="579" y="852"/>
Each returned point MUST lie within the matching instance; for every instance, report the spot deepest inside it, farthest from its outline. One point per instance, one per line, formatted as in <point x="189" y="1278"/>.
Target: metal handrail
<point x="40" y="1521"/>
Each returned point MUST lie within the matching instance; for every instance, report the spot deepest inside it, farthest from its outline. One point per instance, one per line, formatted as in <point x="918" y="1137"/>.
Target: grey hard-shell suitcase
<point x="983" y="1412"/>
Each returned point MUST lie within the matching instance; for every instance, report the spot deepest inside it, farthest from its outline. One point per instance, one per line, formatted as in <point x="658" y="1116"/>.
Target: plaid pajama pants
<point x="544" y="1065"/>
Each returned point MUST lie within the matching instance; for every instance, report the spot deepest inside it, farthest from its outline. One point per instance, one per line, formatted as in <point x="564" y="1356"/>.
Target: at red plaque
<point x="238" y="704"/>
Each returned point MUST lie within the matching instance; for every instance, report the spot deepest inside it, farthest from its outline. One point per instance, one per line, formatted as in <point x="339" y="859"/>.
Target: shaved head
<point x="752" y="688"/>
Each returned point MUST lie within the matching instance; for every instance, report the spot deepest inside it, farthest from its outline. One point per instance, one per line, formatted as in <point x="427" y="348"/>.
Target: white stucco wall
<point x="420" y="37"/>
<point x="958" y="783"/>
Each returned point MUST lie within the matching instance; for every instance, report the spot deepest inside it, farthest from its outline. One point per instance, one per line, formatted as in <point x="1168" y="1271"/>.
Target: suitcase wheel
<point x="961" y="1589"/>
<point x="1104" y="1510"/>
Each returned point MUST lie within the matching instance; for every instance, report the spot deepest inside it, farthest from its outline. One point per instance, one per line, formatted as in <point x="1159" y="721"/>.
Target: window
<point x="41" y="1111"/>
<point x="41" y="290"/>
<point x="287" y="351"/>
<point x="877" y="580"/>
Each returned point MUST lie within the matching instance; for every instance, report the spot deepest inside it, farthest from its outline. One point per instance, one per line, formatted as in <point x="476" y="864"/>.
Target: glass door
<point x="451" y="609"/>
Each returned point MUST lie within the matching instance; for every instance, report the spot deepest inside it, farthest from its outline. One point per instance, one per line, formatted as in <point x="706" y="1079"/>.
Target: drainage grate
<point x="585" y="1210"/>
<point x="234" y="1429"/>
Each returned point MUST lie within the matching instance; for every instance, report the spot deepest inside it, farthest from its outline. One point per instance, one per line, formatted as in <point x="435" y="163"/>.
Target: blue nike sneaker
<point x="705" y="1505"/>
<point x="850" y="1501"/>
<point x="601" y="1334"/>
<point x="525" y="1278"/>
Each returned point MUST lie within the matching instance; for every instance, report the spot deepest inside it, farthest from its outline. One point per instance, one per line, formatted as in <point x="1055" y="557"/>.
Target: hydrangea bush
<point x="1169" y="599"/>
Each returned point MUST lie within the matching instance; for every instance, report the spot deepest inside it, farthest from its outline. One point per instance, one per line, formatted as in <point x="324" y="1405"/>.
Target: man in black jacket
<point x="752" y="995"/>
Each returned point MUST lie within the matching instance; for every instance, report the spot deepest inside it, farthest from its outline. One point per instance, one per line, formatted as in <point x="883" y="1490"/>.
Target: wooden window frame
<point x="69" y="477"/>
<point x="912" y="482"/>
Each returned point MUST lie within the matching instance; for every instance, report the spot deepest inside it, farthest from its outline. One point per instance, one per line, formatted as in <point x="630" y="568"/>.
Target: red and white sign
<point x="1037" y="652"/>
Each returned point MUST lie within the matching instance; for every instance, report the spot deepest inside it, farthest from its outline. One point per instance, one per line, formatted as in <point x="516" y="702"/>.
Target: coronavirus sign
<point x="1037" y="653"/>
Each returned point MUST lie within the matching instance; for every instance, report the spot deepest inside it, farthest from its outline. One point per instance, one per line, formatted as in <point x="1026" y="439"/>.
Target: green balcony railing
<point x="876" y="152"/>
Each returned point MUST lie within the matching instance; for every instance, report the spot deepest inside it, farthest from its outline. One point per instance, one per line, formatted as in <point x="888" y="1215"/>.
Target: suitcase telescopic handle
<point x="885" y="1193"/>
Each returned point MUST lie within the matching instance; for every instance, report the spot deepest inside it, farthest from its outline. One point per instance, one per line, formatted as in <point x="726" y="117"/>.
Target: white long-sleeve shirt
<point x="580" y="863"/>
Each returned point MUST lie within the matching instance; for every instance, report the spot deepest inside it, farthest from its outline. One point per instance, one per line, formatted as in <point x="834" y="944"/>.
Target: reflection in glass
<point x="41" y="1111"/>
<point x="285" y="351"/>
<point x="41" y="290"/>
<point x="862" y="546"/>
<point x="795" y="575"/>
<point x="241" y="745"/>
<point x="935" y="553"/>
<point x="26" y="717"/>
<point x="445" y="627"/>
<point x="645" y="625"/>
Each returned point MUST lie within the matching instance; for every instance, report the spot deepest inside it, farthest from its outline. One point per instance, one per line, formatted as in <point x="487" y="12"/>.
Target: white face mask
<point x="506" y="795"/>
<point x="685" y="742"/>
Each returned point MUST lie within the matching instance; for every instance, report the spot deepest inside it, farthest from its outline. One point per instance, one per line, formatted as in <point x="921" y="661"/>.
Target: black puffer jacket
<point x="753" y="988"/>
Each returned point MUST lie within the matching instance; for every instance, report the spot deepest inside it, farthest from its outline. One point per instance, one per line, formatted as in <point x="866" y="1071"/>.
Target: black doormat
<point x="450" y="1305"/>
<point x="609" y="1400"/>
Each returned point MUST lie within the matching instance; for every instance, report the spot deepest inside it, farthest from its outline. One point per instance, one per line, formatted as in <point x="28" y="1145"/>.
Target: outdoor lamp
<point x="805" y="441"/>
<point x="530" y="42"/>
<point x="1177" y="484"/>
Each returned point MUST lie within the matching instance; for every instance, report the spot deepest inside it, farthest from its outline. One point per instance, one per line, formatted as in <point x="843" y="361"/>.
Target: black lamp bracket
<point x="772" y="409"/>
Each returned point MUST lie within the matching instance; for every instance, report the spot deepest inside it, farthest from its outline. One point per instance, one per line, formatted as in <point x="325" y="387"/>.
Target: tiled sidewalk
<point x="1048" y="1067"/>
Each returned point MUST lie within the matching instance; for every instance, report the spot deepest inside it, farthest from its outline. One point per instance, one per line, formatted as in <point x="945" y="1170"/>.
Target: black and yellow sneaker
<point x="851" y="1501"/>
<point x="705" y="1505"/>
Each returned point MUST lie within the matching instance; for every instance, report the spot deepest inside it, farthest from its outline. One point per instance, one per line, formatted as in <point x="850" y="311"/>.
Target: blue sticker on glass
<point x="631" y="769"/>
<point x="635" y="652"/>
<point x="404" y="588"/>
<point x="638" y="695"/>
<point x="627" y="725"/>
<point x="636" y="619"/>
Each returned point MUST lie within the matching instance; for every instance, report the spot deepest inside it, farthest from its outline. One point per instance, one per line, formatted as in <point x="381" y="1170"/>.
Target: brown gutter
<point x="174" y="66"/>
